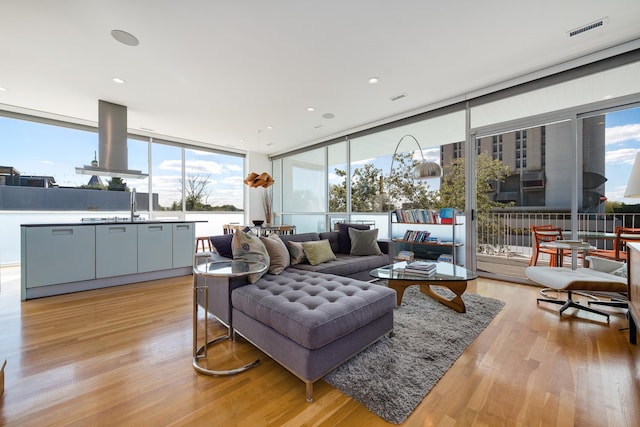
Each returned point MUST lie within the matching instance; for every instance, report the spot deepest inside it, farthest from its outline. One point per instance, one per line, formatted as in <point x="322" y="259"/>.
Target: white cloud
<point x="171" y="165"/>
<point x="234" y="181"/>
<point x="202" y="167"/>
<point x="617" y="195"/>
<point x="623" y="155"/>
<point x="618" y="134"/>
<point x="234" y="168"/>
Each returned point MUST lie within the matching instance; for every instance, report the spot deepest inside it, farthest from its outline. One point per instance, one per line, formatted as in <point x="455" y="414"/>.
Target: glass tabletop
<point x="444" y="271"/>
<point x="229" y="268"/>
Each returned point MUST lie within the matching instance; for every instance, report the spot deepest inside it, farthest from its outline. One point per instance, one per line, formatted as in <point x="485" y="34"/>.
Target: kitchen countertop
<point x="111" y="221"/>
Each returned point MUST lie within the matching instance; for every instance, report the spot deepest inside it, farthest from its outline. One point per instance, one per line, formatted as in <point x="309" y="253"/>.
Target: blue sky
<point x="622" y="143"/>
<point x="60" y="150"/>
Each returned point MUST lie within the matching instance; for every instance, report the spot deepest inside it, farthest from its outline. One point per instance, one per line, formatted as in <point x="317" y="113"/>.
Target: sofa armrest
<point x="386" y="246"/>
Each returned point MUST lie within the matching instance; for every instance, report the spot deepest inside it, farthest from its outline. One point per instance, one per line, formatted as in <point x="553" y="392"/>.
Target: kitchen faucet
<point x="133" y="204"/>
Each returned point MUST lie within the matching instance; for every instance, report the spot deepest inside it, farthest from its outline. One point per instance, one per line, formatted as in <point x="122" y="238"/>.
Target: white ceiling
<point x="220" y="72"/>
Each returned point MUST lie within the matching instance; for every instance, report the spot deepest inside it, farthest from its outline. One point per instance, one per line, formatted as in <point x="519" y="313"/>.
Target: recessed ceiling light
<point x="310" y="109"/>
<point x="269" y="127"/>
<point x="3" y="89"/>
<point x="373" y="80"/>
<point x="328" y="115"/>
<point x="118" y="80"/>
<point x="125" y="38"/>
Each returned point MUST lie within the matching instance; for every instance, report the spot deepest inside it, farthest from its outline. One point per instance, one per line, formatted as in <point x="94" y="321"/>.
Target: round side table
<point x="228" y="269"/>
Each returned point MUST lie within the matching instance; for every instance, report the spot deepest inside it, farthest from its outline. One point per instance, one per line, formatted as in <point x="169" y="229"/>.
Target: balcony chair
<point x="540" y="234"/>
<point x="619" y="251"/>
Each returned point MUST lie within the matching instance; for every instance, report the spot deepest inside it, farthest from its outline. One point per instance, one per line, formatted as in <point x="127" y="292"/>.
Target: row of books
<point x="422" y="216"/>
<point x="418" y="236"/>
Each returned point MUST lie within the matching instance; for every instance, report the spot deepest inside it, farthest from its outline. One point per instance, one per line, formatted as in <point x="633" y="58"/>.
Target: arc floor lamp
<point x="424" y="169"/>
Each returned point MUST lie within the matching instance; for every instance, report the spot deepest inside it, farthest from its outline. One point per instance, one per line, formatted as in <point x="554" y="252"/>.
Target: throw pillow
<point x="364" y="242"/>
<point x="278" y="253"/>
<point x="343" y="235"/>
<point x="222" y="244"/>
<point x="621" y="272"/>
<point x="297" y="253"/>
<point x="248" y="247"/>
<point x="318" y="251"/>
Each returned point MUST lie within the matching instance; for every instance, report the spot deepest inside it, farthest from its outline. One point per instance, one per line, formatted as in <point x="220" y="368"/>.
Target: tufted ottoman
<point x="310" y="322"/>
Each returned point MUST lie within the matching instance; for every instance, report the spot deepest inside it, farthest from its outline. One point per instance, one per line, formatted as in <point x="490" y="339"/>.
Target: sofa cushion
<point x="364" y="242"/>
<point x="278" y="253"/>
<point x="222" y="244"/>
<point x="333" y="238"/>
<point x="296" y="251"/>
<point x="318" y="252"/>
<point x="343" y="235"/>
<point x="248" y="247"/>
<point x="313" y="309"/>
<point x="347" y="265"/>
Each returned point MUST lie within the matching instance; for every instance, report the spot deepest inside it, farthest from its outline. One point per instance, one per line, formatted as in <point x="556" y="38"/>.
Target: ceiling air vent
<point x="584" y="28"/>
<point x="396" y="97"/>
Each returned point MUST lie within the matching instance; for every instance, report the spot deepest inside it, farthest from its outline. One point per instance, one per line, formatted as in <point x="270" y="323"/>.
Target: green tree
<point x="402" y="187"/>
<point x="116" y="184"/>
<point x="373" y="191"/>
<point x="338" y="193"/>
<point x="365" y="189"/>
<point x="197" y="193"/>
<point x="488" y="173"/>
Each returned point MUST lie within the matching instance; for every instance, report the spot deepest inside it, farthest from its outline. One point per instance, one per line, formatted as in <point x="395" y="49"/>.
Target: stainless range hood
<point x="112" y="144"/>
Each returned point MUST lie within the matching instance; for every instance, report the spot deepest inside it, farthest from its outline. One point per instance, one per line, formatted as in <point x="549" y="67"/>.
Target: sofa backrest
<point x="334" y="241"/>
<point x="300" y="237"/>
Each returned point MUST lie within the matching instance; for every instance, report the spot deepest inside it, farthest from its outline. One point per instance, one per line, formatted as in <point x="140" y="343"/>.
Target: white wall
<point x="258" y="163"/>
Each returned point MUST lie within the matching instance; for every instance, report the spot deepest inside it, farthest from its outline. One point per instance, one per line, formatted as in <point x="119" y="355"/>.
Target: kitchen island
<point x="70" y="257"/>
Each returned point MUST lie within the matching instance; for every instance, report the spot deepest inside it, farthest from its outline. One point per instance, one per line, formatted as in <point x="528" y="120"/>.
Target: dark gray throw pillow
<point x="222" y="243"/>
<point x="364" y="242"/>
<point x="343" y="235"/>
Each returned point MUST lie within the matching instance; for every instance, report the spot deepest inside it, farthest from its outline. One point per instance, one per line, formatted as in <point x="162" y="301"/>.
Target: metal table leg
<point x="201" y="352"/>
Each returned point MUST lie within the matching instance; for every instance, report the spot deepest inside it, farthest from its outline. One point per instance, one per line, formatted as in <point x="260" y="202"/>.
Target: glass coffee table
<point x="450" y="276"/>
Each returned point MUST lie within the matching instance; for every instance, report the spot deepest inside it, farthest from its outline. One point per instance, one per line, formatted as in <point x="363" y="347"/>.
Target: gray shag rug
<point x="392" y="376"/>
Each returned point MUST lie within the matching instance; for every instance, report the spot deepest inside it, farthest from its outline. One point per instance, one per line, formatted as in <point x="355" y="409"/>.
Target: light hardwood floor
<point x="122" y="356"/>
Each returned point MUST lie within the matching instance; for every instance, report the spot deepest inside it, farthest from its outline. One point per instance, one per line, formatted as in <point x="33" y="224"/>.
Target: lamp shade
<point x="633" y="186"/>
<point x="428" y="170"/>
<point x="424" y="169"/>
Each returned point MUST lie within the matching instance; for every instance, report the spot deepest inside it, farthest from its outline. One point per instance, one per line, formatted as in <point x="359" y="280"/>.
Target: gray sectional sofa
<point x="309" y="318"/>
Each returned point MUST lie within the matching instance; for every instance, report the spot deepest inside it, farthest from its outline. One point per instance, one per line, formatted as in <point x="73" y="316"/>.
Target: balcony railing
<point x="507" y="234"/>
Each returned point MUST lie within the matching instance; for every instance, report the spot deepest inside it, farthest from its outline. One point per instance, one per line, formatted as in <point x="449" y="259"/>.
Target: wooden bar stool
<point x="204" y="243"/>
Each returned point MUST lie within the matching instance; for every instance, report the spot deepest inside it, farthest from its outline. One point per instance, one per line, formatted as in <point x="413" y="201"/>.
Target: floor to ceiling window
<point x="545" y="143"/>
<point x="39" y="182"/>
<point x="304" y="184"/>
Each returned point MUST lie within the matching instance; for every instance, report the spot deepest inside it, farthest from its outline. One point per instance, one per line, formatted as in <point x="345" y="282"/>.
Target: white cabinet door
<point x="59" y="254"/>
<point x="184" y="236"/>
<point x="155" y="247"/>
<point x="116" y="250"/>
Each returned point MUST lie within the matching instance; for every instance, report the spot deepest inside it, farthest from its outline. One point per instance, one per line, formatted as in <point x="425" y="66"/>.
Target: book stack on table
<point x="426" y="268"/>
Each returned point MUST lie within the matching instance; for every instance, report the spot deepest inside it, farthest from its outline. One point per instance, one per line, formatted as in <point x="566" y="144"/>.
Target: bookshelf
<point x="422" y="232"/>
